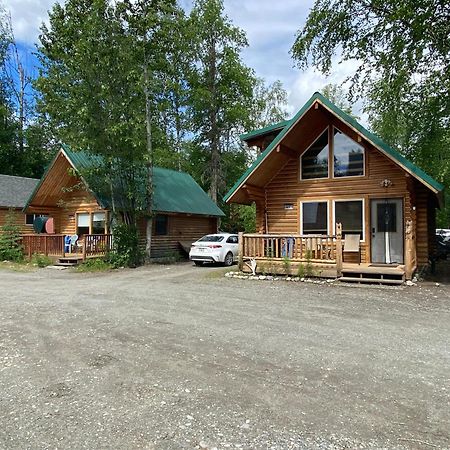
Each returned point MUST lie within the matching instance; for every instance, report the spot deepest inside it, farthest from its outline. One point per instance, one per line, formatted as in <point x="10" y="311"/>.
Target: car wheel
<point x="228" y="261"/>
<point x="198" y="263"/>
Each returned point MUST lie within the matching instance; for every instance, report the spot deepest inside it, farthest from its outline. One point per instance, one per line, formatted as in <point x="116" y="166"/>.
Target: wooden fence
<point x="96" y="245"/>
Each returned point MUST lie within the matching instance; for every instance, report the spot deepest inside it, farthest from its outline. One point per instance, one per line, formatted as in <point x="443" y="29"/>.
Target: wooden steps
<point x="373" y="275"/>
<point x="69" y="261"/>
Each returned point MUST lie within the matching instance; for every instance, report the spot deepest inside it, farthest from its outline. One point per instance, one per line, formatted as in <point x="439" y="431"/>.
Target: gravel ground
<point x="179" y="357"/>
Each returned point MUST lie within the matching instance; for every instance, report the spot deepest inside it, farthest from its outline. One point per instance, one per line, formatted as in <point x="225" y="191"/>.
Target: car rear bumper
<point x="203" y="257"/>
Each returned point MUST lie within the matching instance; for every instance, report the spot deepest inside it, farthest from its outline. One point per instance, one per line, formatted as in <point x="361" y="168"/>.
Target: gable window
<point x="314" y="218"/>
<point x="314" y="161"/>
<point x="83" y="223"/>
<point x="348" y="156"/>
<point x="350" y="214"/>
<point x="161" y="225"/>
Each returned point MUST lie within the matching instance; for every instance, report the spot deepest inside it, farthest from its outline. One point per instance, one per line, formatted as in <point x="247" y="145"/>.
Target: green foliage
<point x="126" y="249"/>
<point x="10" y="240"/>
<point x="301" y="272"/>
<point x="41" y="260"/>
<point x="95" y="265"/>
<point x="287" y="266"/>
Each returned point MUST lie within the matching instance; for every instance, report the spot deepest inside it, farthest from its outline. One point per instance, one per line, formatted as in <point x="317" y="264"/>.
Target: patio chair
<point x="67" y="244"/>
<point x="73" y="241"/>
<point x="352" y="245"/>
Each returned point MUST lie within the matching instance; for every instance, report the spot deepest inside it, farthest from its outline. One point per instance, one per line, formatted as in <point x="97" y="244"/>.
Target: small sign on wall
<point x="288" y="206"/>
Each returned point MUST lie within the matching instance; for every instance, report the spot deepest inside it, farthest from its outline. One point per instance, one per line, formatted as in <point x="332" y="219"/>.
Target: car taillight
<point x="214" y="246"/>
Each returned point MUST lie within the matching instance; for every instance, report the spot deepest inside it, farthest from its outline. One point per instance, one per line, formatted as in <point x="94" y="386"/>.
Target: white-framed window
<point x="314" y="217"/>
<point x="348" y="156"/>
<point x="99" y="222"/>
<point x="350" y="213"/>
<point x="83" y="223"/>
<point x="314" y="161"/>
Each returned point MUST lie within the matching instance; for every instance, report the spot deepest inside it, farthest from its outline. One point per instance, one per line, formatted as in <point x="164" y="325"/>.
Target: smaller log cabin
<point x="14" y="193"/>
<point x="323" y="169"/>
<point x="182" y="211"/>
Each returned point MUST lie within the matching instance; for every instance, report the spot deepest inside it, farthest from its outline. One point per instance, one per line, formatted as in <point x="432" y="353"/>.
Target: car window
<point x="232" y="240"/>
<point x="211" y="238"/>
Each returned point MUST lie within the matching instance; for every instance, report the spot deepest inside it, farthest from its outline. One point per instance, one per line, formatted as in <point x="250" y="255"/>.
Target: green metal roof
<point x="262" y="131"/>
<point x="173" y="191"/>
<point x="375" y="140"/>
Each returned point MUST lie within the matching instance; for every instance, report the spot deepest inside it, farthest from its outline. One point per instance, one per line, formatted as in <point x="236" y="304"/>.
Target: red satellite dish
<point x="50" y="226"/>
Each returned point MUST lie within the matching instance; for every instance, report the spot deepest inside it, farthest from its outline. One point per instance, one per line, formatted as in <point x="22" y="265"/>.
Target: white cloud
<point x="27" y="17"/>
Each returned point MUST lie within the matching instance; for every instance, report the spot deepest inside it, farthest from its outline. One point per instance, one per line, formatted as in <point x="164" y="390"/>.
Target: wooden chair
<point x="352" y="245"/>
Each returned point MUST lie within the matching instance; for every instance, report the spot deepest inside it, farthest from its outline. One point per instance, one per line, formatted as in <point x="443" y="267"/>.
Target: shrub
<point x="94" y="265"/>
<point x="10" y="240"/>
<point x="41" y="260"/>
<point x="126" y="251"/>
<point x="287" y="265"/>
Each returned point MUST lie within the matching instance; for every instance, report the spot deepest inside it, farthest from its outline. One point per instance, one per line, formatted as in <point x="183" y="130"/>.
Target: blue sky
<point x="271" y="26"/>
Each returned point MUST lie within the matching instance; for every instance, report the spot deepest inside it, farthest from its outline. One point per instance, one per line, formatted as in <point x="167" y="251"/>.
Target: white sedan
<point x="221" y="247"/>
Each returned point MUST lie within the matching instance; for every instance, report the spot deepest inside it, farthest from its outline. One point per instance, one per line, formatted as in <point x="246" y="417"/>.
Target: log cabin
<point x="182" y="211"/>
<point x="14" y="193"/>
<point x="321" y="179"/>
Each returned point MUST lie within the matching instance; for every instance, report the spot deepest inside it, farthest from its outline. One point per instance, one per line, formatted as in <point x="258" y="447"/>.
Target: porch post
<point x="339" y="260"/>
<point x="241" y="250"/>
<point x="409" y="250"/>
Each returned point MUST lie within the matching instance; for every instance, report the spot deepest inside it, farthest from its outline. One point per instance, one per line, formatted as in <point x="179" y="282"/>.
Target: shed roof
<point x="173" y="191"/>
<point x="14" y="191"/>
<point x="394" y="155"/>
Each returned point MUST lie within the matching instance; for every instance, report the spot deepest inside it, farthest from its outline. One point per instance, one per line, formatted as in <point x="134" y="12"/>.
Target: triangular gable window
<point x="315" y="159"/>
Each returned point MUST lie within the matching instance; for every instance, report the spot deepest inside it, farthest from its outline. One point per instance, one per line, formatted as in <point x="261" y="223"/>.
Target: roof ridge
<point x="18" y="176"/>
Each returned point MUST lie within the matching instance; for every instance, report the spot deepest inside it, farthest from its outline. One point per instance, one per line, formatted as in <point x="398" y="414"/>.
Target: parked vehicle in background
<point x="442" y="243"/>
<point x="215" y="248"/>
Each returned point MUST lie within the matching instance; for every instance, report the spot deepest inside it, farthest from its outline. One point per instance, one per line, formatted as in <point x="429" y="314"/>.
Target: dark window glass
<point x="29" y="219"/>
<point x="232" y="240"/>
<point x="315" y="218"/>
<point x="387" y="217"/>
<point x="161" y="225"/>
<point x="99" y="223"/>
<point x="350" y="215"/>
<point x="348" y="156"/>
<point x="211" y="238"/>
<point x="315" y="159"/>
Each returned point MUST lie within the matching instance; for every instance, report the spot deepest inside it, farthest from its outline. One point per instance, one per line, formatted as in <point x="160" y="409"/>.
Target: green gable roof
<point x="262" y="131"/>
<point x="375" y="140"/>
<point x="173" y="191"/>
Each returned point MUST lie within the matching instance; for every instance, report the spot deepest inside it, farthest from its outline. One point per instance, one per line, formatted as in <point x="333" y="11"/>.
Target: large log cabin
<point x="182" y="211"/>
<point x="322" y="176"/>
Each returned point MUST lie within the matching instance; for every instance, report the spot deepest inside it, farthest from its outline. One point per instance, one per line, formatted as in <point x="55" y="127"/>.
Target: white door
<point x="387" y="230"/>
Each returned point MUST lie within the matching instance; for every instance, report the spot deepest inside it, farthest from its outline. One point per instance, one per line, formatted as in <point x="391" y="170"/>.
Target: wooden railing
<point x="293" y="246"/>
<point x="43" y="244"/>
<point x="96" y="245"/>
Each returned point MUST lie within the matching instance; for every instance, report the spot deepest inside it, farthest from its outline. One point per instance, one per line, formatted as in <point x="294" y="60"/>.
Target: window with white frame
<point x="83" y="223"/>
<point x="30" y="218"/>
<point x="348" y="156"/>
<point x="314" y="217"/>
<point x="314" y="161"/>
<point x="99" y="223"/>
<point x="350" y="214"/>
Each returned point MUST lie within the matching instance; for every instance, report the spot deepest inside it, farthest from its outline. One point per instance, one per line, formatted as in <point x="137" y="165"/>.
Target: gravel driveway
<point x="179" y="357"/>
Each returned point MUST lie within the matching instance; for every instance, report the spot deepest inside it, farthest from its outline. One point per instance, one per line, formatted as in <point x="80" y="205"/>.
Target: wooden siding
<point x="19" y="219"/>
<point x="181" y="228"/>
<point x="62" y="196"/>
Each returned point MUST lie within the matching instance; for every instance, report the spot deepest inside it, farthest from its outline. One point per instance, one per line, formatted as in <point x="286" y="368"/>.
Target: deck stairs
<point x="69" y="261"/>
<point x="392" y="275"/>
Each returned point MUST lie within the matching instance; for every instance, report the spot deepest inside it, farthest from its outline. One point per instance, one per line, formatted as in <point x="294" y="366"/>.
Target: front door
<point x="387" y="230"/>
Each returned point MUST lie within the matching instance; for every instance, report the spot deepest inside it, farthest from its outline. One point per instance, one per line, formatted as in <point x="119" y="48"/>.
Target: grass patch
<point x="94" y="265"/>
<point x="41" y="260"/>
<point x="23" y="266"/>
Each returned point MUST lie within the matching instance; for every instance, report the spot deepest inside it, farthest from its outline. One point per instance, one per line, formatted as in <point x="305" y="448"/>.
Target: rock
<point x="302" y="279"/>
<point x="288" y="278"/>
<point x="410" y="283"/>
<point x="229" y="274"/>
<point x="203" y="445"/>
<point x="262" y="277"/>
<point x="438" y="284"/>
